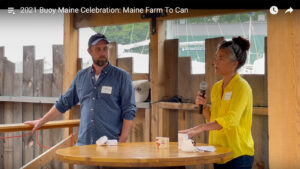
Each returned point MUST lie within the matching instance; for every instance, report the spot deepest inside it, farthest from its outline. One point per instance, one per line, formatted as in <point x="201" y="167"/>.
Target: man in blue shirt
<point x="106" y="98"/>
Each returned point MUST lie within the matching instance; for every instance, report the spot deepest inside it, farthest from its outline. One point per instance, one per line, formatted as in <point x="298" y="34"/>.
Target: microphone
<point x="203" y="86"/>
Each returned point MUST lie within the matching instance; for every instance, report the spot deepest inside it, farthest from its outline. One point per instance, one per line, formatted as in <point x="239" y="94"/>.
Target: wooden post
<point x="71" y="36"/>
<point x="284" y="89"/>
<point x="8" y="112"/>
<point x="156" y="55"/>
<point x="17" y="86"/>
<point x="28" y="59"/>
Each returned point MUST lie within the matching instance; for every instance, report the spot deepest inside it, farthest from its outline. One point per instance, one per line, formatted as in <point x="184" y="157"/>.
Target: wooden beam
<point x="140" y="76"/>
<point x="108" y="19"/>
<point x="192" y="13"/>
<point x="28" y="99"/>
<point x="48" y="155"/>
<point x="49" y="125"/>
<point x="284" y="89"/>
<point x="194" y="107"/>
<point x="49" y="100"/>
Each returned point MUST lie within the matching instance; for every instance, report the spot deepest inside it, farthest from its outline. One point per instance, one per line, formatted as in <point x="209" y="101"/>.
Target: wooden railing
<point x="49" y="125"/>
<point x="48" y="155"/>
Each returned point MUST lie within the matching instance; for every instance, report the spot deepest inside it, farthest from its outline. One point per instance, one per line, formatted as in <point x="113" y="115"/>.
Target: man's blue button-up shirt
<point x="103" y="103"/>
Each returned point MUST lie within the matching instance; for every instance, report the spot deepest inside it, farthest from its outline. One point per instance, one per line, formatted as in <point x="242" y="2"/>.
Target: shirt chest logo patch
<point x="228" y="96"/>
<point x="106" y="89"/>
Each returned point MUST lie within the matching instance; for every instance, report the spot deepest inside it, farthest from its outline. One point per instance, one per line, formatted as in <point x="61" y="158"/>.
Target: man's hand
<point x="53" y="113"/>
<point x="125" y="130"/>
<point x="36" y="124"/>
<point x="123" y="138"/>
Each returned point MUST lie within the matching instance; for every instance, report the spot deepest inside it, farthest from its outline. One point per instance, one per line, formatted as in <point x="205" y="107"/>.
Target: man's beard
<point x="100" y="62"/>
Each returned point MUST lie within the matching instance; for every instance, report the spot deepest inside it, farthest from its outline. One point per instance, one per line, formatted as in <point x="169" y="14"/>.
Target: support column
<point x="284" y="89"/>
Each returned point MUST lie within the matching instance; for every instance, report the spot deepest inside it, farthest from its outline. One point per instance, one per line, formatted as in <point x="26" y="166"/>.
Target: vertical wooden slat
<point x="284" y="89"/>
<point x="169" y="77"/>
<point x="18" y="149"/>
<point x="126" y="64"/>
<point x="113" y="53"/>
<point x="184" y="77"/>
<point x="56" y="134"/>
<point x="210" y="52"/>
<point x="168" y="81"/>
<point x="8" y="112"/>
<point x="147" y="127"/>
<point x="47" y="92"/>
<point x="57" y="70"/>
<point x="258" y="87"/>
<point x="2" y="62"/>
<point x="38" y="70"/>
<point x="2" y="59"/>
<point x="27" y="90"/>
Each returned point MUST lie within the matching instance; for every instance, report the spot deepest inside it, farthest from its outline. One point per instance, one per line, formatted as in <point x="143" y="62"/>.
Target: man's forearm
<point x="127" y="124"/>
<point x="52" y="114"/>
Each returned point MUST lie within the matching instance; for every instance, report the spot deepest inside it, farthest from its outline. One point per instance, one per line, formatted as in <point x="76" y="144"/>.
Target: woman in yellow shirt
<point x="229" y="118"/>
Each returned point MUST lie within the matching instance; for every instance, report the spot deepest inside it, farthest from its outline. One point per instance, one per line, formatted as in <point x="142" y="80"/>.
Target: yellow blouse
<point x="233" y="111"/>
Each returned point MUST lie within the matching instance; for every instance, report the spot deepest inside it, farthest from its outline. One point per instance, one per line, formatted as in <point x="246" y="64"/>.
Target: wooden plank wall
<point x="16" y="152"/>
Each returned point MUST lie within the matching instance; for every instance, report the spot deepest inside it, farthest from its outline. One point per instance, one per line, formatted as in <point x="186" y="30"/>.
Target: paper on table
<point x="101" y="141"/>
<point x="206" y="148"/>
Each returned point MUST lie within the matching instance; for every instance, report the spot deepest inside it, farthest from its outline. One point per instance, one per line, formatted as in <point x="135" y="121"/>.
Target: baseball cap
<point x="96" y="38"/>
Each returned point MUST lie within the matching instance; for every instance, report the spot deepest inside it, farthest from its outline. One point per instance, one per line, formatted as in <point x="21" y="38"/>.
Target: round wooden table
<point x="139" y="154"/>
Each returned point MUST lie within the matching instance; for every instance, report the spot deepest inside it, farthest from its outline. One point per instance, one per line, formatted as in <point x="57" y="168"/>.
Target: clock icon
<point x="273" y="10"/>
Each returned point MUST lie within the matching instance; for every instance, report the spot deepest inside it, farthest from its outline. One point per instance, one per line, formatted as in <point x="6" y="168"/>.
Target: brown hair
<point x="239" y="47"/>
